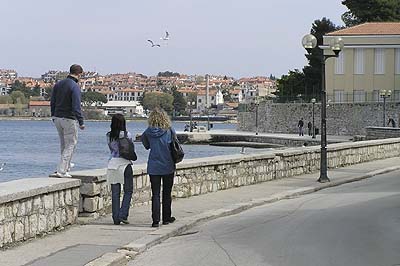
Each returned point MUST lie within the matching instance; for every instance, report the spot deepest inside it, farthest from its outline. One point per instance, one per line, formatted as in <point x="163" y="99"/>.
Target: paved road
<point x="356" y="224"/>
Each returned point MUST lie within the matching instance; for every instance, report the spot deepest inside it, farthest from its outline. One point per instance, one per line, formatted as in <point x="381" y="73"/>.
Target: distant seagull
<point x="166" y="37"/>
<point x="2" y="166"/>
<point x="153" y="44"/>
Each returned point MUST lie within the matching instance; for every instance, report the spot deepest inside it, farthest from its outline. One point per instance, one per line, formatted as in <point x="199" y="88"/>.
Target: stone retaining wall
<point x="36" y="206"/>
<point x="382" y="132"/>
<point x="205" y="175"/>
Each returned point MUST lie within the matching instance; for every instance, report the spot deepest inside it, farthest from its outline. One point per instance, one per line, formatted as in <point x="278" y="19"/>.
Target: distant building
<point x="8" y="74"/>
<point x="130" y="109"/>
<point x="4" y="89"/>
<point x="39" y="108"/>
<point x="368" y="64"/>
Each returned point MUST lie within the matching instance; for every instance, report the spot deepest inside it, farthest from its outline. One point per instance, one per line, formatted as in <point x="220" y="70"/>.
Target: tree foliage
<point x="168" y="74"/>
<point x="290" y="85"/>
<point x="18" y="97"/>
<point x="361" y="11"/>
<point x="152" y="100"/>
<point x="179" y="102"/>
<point x="4" y="99"/>
<point x="92" y="97"/>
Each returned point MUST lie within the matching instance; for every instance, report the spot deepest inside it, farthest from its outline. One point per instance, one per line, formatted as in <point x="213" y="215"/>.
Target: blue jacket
<point x="66" y="100"/>
<point x="158" y="140"/>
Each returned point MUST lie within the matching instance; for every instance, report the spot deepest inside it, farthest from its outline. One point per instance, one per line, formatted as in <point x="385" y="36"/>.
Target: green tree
<point x="290" y="85"/>
<point x="18" y="97"/>
<point x="91" y="97"/>
<point x="168" y="74"/>
<point x="36" y="90"/>
<point x="313" y="71"/>
<point x="154" y="99"/>
<point x="4" y="99"/>
<point x="361" y="11"/>
<point x="179" y="101"/>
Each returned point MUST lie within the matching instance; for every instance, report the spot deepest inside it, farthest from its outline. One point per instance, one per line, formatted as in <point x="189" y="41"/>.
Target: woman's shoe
<point x="125" y="221"/>
<point x="169" y="221"/>
<point x="155" y="224"/>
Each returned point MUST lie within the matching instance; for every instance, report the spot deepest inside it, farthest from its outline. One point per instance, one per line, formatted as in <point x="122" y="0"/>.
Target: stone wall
<point x="205" y="175"/>
<point x="382" y="132"/>
<point x="342" y="118"/>
<point x="35" y="206"/>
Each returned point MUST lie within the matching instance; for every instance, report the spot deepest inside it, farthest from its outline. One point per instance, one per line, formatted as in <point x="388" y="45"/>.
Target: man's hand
<point x="82" y="127"/>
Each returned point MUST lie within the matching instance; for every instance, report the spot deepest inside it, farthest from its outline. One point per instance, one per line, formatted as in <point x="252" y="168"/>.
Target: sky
<point x="237" y="38"/>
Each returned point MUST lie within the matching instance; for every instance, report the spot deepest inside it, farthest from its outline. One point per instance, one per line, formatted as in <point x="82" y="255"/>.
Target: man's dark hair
<point x="75" y="69"/>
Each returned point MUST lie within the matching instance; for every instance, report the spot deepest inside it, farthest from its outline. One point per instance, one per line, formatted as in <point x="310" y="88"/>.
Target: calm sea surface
<point x="31" y="148"/>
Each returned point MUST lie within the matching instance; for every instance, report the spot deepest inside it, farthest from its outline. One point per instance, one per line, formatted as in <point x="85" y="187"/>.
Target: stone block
<point x="27" y="226"/>
<point x="15" y="206"/>
<point x="1" y="235"/>
<point x="75" y="197"/>
<point x="21" y="209"/>
<point x="51" y="221"/>
<point x="64" y="220"/>
<point x="61" y="199"/>
<point x="2" y="213"/>
<point x="8" y="232"/>
<point x="42" y="223"/>
<point x="37" y="204"/>
<point x="58" y="218"/>
<point x="100" y="204"/>
<point x="33" y="224"/>
<point x="90" y="189"/>
<point x="56" y="201"/>
<point x="19" y="230"/>
<point x="90" y="204"/>
<point x="81" y="204"/>
<point x="68" y="197"/>
<point x="48" y="201"/>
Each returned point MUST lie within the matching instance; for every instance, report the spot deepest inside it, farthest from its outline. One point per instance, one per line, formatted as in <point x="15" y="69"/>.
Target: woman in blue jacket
<point x="160" y="166"/>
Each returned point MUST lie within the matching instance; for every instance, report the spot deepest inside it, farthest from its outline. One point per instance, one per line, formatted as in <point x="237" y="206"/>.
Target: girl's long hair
<point x="159" y="118"/>
<point x="118" y="124"/>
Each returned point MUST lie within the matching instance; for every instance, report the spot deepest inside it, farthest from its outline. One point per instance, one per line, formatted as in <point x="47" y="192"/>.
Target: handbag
<point x="177" y="152"/>
<point x="126" y="148"/>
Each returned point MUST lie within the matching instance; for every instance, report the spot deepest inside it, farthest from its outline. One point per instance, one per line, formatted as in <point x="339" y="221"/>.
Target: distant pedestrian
<point x="309" y="126"/>
<point x="67" y="116"/>
<point x="391" y="122"/>
<point x="300" y="125"/>
<point x="119" y="171"/>
<point x="160" y="166"/>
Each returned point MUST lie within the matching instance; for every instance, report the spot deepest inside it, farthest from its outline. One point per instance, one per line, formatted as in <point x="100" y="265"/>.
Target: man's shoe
<point x="155" y="224"/>
<point x="169" y="221"/>
<point x="124" y="221"/>
<point x="65" y="175"/>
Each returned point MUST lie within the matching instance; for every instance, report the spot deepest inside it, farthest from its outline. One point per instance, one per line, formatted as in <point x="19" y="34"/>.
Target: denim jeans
<point x="167" y="183"/>
<point x="121" y="212"/>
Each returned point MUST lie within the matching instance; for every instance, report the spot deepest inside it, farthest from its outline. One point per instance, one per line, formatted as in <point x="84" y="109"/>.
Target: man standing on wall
<point x="66" y="114"/>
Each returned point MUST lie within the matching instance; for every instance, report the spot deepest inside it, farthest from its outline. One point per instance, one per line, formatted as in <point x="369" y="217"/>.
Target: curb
<point x="129" y="251"/>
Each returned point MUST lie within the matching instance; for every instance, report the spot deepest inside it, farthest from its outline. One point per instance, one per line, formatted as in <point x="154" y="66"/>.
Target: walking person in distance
<point x="67" y="116"/>
<point x="160" y="165"/>
<point x="300" y="125"/>
<point x="119" y="170"/>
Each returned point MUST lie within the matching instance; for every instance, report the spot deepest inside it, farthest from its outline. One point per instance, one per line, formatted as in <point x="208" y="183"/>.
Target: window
<point x="339" y="64"/>
<point x="359" y="61"/>
<point x="339" y="96"/>
<point x="375" y="95"/>
<point x="379" y="61"/>
<point x="358" y="96"/>
<point x="397" y="61"/>
<point x="396" y="95"/>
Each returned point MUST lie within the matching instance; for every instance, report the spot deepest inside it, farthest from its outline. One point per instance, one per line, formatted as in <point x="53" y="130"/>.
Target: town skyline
<point x="228" y="38"/>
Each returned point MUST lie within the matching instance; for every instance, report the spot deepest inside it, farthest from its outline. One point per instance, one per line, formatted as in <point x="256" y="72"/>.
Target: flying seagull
<point x="2" y="166"/>
<point x="153" y="44"/>
<point x="166" y="37"/>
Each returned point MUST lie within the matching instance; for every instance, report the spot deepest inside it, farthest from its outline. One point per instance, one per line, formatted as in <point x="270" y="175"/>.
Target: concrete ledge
<point x="109" y="259"/>
<point x="30" y="187"/>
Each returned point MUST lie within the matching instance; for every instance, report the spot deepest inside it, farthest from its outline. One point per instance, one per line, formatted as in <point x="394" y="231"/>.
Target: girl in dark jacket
<point x="160" y="166"/>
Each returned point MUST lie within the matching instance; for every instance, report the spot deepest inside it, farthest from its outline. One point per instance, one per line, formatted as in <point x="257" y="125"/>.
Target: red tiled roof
<point x="370" y="28"/>
<point x="39" y="103"/>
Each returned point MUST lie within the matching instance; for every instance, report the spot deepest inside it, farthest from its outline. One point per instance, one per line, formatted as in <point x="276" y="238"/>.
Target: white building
<point x="130" y="109"/>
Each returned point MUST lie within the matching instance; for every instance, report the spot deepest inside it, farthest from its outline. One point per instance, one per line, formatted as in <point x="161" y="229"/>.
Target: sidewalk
<point x="81" y="244"/>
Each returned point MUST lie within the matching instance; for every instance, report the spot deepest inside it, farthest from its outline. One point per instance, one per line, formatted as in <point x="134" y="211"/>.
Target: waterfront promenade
<point x="99" y="242"/>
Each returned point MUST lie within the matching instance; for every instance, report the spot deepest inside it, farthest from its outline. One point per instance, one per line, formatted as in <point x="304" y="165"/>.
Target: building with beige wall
<point x="368" y="64"/>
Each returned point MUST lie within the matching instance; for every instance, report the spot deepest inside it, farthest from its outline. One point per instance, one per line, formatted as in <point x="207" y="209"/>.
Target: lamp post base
<point x="324" y="179"/>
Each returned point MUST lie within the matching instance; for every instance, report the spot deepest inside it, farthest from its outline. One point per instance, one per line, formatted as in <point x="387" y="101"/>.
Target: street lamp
<point x="384" y="94"/>
<point x="309" y="42"/>
<point x="313" y="120"/>
<point x="256" y="102"/>
<point x="191" y="105"/>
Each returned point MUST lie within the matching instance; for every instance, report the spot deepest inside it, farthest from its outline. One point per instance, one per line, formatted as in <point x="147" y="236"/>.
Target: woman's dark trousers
<point x="121" y="212"/>
<point x="167" y="183"/>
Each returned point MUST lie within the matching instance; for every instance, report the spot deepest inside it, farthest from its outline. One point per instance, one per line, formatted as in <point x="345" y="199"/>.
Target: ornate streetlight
<point x="313" y="120"/>
<point x="309" y="42"/>
<point x="191" y="105"/>
<point x="384" y="94"/>
<point x="257" y="103"/>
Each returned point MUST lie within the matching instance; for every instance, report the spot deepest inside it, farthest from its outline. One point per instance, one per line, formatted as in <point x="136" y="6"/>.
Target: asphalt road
<point x="356" y="224"/>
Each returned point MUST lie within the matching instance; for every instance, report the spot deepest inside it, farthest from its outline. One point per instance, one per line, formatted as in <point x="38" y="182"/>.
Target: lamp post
<point x="309" y="42"/>
<point x="385" y="94"/>
<point x="313" y="115"/>
<point x="256" y="102"/>
<point x="191" y="105"/>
